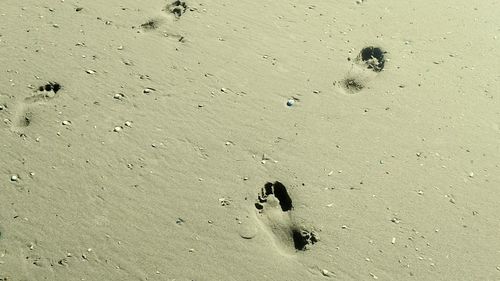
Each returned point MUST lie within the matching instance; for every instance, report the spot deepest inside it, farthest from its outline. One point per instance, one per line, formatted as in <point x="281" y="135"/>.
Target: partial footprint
<point x="155" y="24"/>
<point x="368" y="63"/>
<point x="46" y="93"/>
<point x="24" y="112"/>
<point x="275" y="214"/>
<point x="23" y="117"/>
<point x="171" y="12"/>
<point x="177" y="8"/>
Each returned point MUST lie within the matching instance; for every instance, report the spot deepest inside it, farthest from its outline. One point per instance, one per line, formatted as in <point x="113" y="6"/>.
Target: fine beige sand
<point x="152" y="140"/>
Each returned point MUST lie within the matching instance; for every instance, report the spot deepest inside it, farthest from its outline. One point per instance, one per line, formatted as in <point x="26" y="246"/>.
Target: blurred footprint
<point x="366" y="66"/>
<point x="24" y="113"/>
<point x="176" y="8"/>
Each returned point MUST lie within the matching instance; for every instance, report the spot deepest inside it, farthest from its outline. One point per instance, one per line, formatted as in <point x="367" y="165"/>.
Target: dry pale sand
<point x="148" y="161"/>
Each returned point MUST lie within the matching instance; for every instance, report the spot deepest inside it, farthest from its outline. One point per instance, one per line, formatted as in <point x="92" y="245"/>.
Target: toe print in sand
<point x="276" y="217"/>
<point x="176" y="8"/>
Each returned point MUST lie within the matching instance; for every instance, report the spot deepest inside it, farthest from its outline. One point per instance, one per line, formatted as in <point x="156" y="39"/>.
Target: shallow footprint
<point x="368" y="63"/>
<point x="275" y="216"/>
<point x="24" y="111"/>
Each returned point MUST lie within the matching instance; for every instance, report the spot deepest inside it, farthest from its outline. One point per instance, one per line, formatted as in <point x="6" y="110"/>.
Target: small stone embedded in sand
<point x="90" y="71"/>
<point x="290" y="102"/>
<point x="118" y="129"/>
<point x="14" y="178"/>
<point x="128" y="123"/>
<point x="325" y="272"/>
<point x="119" y="96"/>
<point x="66" y="122"/>
<point x="148" y="90"/>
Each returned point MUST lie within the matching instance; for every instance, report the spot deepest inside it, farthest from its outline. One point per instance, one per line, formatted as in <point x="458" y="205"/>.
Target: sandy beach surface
<point x="249" y="140"/>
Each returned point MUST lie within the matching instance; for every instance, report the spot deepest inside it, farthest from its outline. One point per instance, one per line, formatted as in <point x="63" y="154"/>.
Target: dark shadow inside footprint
<point x="279" y="191"/>
<point x="268" y="188"/>
<point x="373" y="57"/>
<point x="302" y="238"/>
<point x="282" y="195"/>
<point x="50" y="86"/>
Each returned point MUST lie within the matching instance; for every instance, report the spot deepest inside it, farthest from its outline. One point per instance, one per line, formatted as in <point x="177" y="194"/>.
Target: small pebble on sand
<point x="148" y="90"/>
<point x="290" y="102"/>
<point x="14" y="178"/>
<point x="325" y="272"/>
<point x="118" y="129"/>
